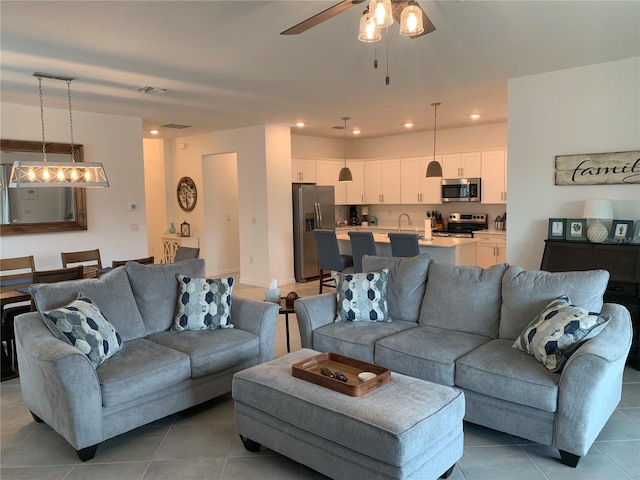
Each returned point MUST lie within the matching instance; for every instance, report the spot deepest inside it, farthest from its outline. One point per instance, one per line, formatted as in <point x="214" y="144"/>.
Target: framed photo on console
<point x="556" y="228"/>
<point x="621" y="231"/>
<point x="636" y="233"/>
<point x="576" y="229"/>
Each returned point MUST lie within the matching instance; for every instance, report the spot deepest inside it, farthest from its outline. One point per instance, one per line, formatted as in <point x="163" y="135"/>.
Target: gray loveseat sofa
<point x="156" y="373"/>
<point x="456" y="326"/>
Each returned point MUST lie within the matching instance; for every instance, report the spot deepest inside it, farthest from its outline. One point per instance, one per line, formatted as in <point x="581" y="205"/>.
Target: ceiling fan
<point x="397" y="6"/>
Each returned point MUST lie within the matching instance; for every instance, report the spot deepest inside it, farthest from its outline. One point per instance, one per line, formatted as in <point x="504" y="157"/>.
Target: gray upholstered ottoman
<point x="405" y="429"/>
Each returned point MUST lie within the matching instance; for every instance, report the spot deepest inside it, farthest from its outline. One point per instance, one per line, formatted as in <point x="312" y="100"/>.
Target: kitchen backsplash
<point x="387" y="215"/>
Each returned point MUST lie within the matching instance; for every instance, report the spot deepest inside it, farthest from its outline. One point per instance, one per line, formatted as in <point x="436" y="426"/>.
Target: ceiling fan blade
<point x="321" y="17"/>
<point x="426" y="22"/>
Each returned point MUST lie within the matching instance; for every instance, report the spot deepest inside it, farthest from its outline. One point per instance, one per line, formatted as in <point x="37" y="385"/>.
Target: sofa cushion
<point x="203" y="303"/>
<point x="464" y="299"/>
<point x="140" y="369"/>
<point x="111" y="291"/>
<point x="525" y="294"/>
<point x="361" y="297"/>
<point x="558" y="331"/>
<point x="81" y="324"/>
<point x="426" y="352"/>
<point x="407" y="279"/>
<point x="497" y="370"/>
<point x="211" y="351"/>
<point x="355" y="339"/>
<point x="156" y="290"/>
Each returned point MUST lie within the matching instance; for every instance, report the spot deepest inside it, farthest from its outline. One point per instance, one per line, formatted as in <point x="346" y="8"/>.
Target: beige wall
<point x="582" y="110"/>
<point x="116" y="141"/>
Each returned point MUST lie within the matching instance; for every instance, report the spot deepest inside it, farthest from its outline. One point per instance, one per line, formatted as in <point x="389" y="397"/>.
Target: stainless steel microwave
<point x="460" y="190"/>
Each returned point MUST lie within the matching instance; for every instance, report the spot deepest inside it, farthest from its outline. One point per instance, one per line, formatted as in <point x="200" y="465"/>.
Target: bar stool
<point x="404" y="244"/>
<point x="329" y="257"/>
<point x="362" y="243"/>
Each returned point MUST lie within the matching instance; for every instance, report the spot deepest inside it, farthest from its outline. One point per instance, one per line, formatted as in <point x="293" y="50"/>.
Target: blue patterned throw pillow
<point x="203" y="303"/>
<point x="362" y="297"/>
<point x="558" y="331"/>
<point x="82" y="325"/>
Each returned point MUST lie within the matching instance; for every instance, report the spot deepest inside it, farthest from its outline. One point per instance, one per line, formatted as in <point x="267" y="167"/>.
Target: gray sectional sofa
<point x="156" y="373"/>
<point x="456" y="326"/>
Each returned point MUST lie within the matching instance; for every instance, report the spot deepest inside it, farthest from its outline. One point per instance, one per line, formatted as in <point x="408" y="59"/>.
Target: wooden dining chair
<point x="86" y="257"/>
<point x="143" y="261"/>
<point x="13" y="271"/>
<point x="186" y="253"/>
<point x="56" y="275"/>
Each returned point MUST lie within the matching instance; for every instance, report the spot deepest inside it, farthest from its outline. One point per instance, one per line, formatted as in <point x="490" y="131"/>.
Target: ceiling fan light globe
<point x="382" y="12"/>
<point x="411" y="21"/>
<point x="369" y="31"/>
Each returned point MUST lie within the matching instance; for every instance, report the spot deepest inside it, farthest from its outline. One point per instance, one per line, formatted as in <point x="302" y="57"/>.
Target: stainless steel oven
<point x="460" y="190"/>
<point x="462" y="225"/>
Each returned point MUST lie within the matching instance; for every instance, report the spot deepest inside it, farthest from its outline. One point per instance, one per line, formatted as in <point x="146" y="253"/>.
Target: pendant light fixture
<point x="369" y="31"/>
<point x="345" y="173"/>
<point x="30" y="174"/>
<point x="434" y="169"/>
<point x="411" y="20"/>
<point x="382" y="11"/>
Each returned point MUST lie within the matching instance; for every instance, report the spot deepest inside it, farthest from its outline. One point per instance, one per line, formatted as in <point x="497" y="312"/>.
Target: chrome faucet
<point x="400" y="218"/>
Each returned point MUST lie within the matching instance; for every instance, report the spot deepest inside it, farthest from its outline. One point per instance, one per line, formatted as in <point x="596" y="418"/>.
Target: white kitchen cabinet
<point x="462" y="165"/>
<point x="416" y="188"/>
<point x="491" y="249"/>
<point x="355" y="188"/>
<point x="382" y="182"/>
<point x="494" y="176"/>
<point x="325" y="171"/>
<point x="303" y="170"/>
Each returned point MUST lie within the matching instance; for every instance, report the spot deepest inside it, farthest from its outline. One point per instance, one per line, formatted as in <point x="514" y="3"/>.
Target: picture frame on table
<point x="576" y="229"/>
<point x="621" y="231"/>
<point x="556" y="228"/>
<point x="636" y="233"/>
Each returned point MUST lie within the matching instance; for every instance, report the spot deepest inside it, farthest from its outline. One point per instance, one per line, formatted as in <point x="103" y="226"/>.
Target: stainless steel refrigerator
<point x="313" y="207"/>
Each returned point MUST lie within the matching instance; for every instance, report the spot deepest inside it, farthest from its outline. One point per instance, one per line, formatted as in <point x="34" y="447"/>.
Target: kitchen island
<point x="456" y="251"/>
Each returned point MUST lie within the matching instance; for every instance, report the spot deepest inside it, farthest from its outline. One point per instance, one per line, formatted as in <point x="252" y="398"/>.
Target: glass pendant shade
<point x="345" y="175"/>
<point x="411" y="20"/>
<point x="382" y="12"/>
<point x="369" y="32"/>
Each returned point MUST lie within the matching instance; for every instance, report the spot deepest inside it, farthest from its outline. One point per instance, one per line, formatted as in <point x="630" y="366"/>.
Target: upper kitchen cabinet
<point x="462" y="165"/>
<point x="494" y="176"/>
<point x="303" y="170"/>
<point x="355" y="188"/>
<point x="327" y="173"/>
<point x="382" y="182"/>
<point x="416" y="187"/>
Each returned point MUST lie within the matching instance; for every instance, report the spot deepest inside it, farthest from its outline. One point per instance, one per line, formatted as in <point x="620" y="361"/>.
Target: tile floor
<point x="202" y="444"/>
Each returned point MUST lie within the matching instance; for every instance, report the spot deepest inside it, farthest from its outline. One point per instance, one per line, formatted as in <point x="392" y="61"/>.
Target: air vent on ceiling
<point x="177" y="126"/>
<point x="151" y="90"/>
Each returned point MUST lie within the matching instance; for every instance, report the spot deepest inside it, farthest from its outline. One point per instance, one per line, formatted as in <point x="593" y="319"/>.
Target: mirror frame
<point x="79" y="197"/>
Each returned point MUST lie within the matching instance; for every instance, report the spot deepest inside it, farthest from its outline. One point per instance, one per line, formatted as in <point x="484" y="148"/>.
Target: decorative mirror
<point x="39" y="210"/>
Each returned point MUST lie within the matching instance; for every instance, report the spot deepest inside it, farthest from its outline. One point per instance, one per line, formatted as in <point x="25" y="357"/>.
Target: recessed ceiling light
<point x="475" y="116"/>
<point x="153" y="132"/>
<point x="356" y="131"/>
<point x="300" y="124"/>
<point x="408" y="125"/>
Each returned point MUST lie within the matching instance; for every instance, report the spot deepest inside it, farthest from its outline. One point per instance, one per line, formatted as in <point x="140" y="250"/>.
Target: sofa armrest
<point x="259" y="318"/>
<point x="58" y="383"/>
<point x="590" y="385"/>
<point x="312" y="313"/>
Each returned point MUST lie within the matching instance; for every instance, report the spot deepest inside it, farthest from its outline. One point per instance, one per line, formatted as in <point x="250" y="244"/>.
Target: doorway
<point x="221" y="214"/>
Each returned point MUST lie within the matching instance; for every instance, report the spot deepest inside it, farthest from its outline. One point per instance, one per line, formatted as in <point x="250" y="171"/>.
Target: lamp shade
<point x="601" y="209"/>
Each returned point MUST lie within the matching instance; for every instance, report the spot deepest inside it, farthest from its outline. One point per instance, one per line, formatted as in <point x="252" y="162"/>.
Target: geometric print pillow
<point x="82" y="325"/>
<point x="362" y="297"/>
<point x="558" y="331"/>
<point x="203" y="303"/>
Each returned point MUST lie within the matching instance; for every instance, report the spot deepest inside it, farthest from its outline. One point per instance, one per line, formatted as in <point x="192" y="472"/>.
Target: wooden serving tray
<point x="309" y="370"/>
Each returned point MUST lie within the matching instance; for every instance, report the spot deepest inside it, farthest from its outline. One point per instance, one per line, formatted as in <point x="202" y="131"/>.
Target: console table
<point x="622" y="261"/>
<point x="171" y="242"/>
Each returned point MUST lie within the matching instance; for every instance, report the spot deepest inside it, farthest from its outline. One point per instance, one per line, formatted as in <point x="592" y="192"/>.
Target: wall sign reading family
<point x="598" y="168"/>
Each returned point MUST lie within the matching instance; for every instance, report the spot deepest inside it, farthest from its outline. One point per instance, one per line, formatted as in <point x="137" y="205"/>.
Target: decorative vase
<point x="172" y="228"/>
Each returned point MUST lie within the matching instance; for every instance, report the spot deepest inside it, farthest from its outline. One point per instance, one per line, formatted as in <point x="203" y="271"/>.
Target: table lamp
<point x="598" y="210"/>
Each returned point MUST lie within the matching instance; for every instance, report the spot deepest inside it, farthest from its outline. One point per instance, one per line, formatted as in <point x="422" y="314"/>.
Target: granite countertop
<point x="493" y="231"/>
<point x="440" y="242"/>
